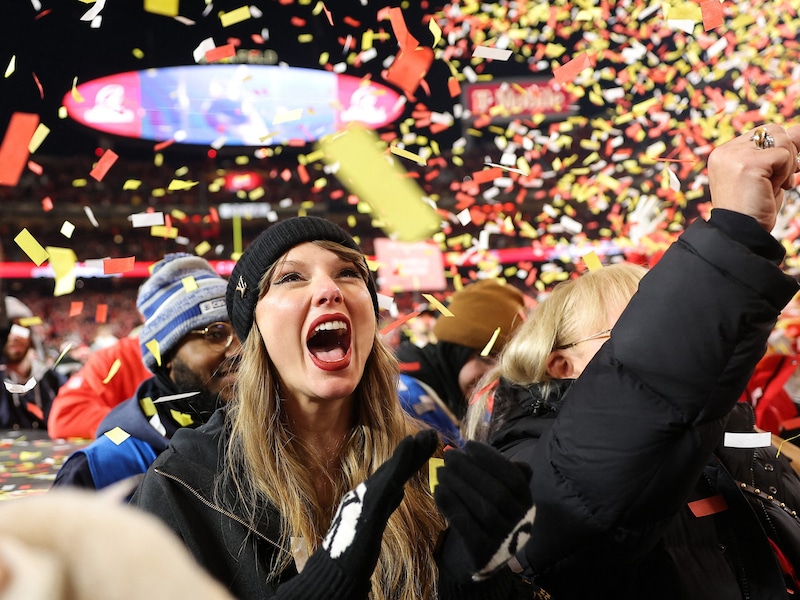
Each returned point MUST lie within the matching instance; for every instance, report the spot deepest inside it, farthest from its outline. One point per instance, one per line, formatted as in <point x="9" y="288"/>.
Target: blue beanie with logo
<point x="182" y="293"/>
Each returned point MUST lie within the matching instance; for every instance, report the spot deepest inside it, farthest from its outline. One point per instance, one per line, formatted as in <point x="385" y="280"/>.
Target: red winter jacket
<point x="87" y="397"/>
<point x="766" y="393"/>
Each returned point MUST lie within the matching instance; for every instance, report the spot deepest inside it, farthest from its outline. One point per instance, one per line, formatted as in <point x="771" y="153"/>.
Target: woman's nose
<point x="328" y="292"/>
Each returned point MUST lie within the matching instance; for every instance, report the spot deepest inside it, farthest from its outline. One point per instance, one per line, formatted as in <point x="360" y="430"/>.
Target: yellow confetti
<point x="31" y="247"/>
<point x="490" y="344"/>
<point x="30" y="321"/>
<point x="592" y="261"/>
<point x="63" y="262"/>
<point x="189" y="284"/>
<point x="76" y="95"/>
<point x="689" y="11"/>
<point x="155" y="350"/>
<point x="38" y="137"/>
<point x="366" y="39"/>
<point x="433" y="477"/>
<point x="235" y="16"/>
<point x="438" y="305"/>
<point x="181" y="419"/>
<point x="66" y="349"/>
<point x="11" y="67"/>
<point x="148" y="406"/>
<point x="132" y="184"/>
<point x="162" y="231"/>
<point x="168" y="8"/>
<point x="180" y="184"/>
<point x="409" y="155"/>
<point x="113" y="370"/>
<point x="434" y="28"/>
<point x="396" y="200"/>
<point x="202" y="248"/>
<point x="117" y="435"/>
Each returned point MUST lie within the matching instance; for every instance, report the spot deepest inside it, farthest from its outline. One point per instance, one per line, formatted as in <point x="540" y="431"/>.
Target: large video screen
<point x="239" y="105"/>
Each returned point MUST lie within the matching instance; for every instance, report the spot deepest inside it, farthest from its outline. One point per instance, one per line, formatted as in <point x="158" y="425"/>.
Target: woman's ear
<point x="561" y="366"/>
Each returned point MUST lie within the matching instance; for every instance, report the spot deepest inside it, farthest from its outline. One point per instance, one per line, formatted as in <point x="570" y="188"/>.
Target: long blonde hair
<point x="269" y="464"/>
<point x="575" y="308"/>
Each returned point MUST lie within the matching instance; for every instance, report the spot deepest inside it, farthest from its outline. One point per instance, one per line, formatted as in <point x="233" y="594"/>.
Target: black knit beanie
<point x="274" y="242"/>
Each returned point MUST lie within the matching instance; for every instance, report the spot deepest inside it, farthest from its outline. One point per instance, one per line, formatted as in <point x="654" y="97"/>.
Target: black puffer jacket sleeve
<point x="638" y="426"/>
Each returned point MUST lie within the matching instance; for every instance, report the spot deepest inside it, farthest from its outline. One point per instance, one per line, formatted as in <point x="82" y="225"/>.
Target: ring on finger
<point x="762" y="139"/>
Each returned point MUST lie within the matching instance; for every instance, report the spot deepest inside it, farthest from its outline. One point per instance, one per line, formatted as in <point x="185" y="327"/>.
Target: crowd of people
<point x="607" y="442"/>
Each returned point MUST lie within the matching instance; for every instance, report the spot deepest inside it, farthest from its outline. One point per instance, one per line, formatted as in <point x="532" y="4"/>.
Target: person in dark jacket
<point x="314" y="423"/>
<point x="29" y="385"/>
<point x="436" y="379"/>
<point x="638" y="492"/>
<point x="187" y="342"/>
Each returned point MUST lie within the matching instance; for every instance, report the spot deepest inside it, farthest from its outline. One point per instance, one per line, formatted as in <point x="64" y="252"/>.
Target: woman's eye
<point x="287" y="278"/>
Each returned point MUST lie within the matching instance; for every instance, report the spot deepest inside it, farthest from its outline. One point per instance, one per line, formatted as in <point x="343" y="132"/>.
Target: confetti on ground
<point x="30" y="461"/>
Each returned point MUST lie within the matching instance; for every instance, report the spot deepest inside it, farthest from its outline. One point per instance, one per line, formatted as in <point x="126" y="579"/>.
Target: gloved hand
<point x="343" y="565"/>
<point x="488" y="504"/>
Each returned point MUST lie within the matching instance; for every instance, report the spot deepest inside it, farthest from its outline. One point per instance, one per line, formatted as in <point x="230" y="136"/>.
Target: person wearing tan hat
<point x="437" y="379"/>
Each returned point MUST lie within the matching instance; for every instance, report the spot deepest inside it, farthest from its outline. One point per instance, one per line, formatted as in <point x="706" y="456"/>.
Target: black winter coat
<point x="622" y="456"/>
<point x="179" y="489"/>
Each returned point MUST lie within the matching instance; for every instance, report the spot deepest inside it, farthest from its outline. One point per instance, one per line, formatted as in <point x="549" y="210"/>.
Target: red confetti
<point x="220" y="53"/>
<point x="713" y="15"/>
<point x="708" y="506"/>
<point x="101" y="314"/>
<point x="566" y="73"/>
<point x="104" y="164"/>
<point x="161" y="145"/>
<point x="112" y="266"/>
<point x="398" y="322"/>
<point x="14" y="149"/>
<point x="38" y="85"/>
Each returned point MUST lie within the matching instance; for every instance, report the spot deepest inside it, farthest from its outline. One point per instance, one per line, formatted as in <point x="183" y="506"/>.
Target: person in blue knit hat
<point x="189" y="345"/>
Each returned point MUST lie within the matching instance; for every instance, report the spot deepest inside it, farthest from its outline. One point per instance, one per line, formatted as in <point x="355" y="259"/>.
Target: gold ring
<point x="762" y="139"/>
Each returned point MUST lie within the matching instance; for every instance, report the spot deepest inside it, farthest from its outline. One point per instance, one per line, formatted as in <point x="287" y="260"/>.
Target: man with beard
<point x="188" y="343"/>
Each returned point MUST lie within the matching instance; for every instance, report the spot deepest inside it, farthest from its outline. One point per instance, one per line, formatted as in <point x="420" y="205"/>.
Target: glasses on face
<point x="606" y="333"/>
<point x="218" y="336"/>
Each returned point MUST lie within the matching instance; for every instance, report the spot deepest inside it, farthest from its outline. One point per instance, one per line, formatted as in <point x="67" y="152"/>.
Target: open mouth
<point x="329" y="342"/>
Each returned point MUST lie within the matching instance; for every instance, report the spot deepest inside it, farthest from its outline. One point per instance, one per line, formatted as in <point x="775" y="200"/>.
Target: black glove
<point x="487" y="501"/>
<point x="343" y="565"/>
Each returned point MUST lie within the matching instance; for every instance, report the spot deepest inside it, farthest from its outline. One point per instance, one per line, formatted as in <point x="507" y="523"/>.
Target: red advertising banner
<point x="514" y="98"/>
